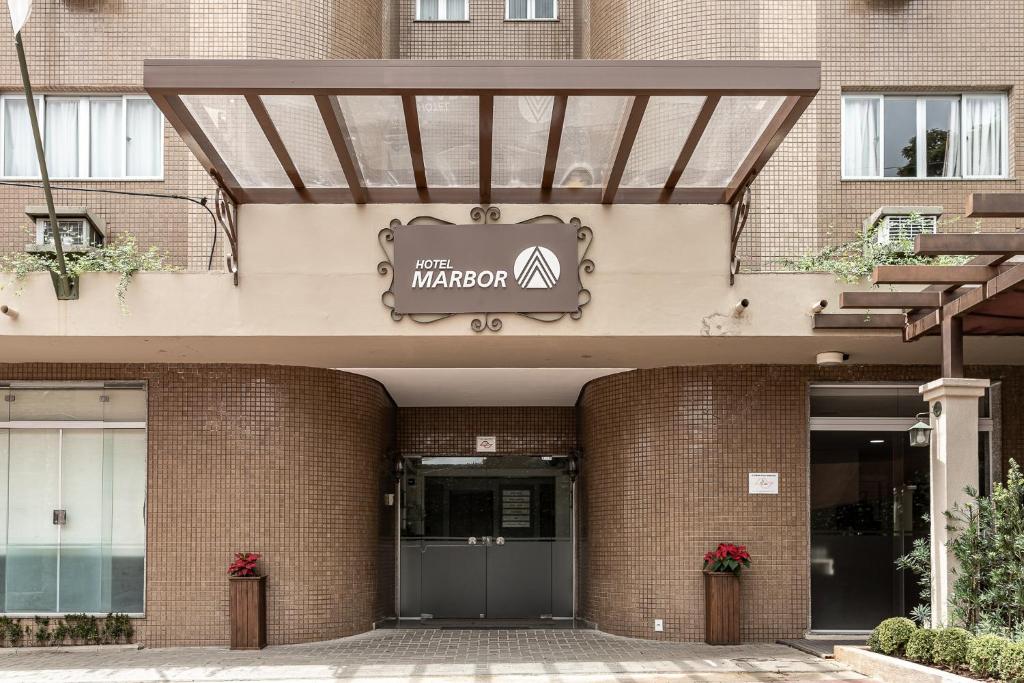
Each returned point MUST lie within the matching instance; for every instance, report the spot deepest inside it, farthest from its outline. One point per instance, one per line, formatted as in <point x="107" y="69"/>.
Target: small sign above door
<point x="763" y="483"/>
<point x="486" y="444"/>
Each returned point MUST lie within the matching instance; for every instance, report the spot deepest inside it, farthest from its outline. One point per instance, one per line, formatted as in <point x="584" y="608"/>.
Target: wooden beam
<point x="952" y="347"/>
<point x="969" y="244"/>
<point x="473" y="77"/>
<point x="938" y="275"/>
<point x="468" y="195"/>
<point x="412" y="128"/>
<point x="341" y="140"/>
<point x="774" y="133"/>
<point x="629" y="131"/>
<point x="902" y="300"/>
<point x="995" y="205"/>
<point x="259" y="110"/>
<point x="922" y="326"/>
<point x="859" y="321"/>
<point x="700" y="124"/>
<point x="554" y="140"/>
<point x="486" y="146"/>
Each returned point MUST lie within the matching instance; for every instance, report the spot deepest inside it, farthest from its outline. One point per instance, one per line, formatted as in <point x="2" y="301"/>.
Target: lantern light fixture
<point x="921" y="432"/>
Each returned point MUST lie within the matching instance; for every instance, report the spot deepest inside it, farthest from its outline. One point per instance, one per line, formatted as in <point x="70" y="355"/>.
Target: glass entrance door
<point x="869" y="495"/>
<point x="486" y="538"/>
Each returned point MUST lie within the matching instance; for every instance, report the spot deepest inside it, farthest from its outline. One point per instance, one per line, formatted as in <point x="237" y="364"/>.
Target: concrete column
<point x="954" y="465"/>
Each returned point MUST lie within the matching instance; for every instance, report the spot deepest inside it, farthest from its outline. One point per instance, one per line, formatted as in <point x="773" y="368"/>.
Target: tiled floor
<point x="433" y="655"/>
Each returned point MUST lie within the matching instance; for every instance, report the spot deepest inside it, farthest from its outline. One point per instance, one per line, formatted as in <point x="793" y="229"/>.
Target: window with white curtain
<point x="925" y="136"/>
<point x="442" y="10"/>
<point x="526" y="10"/>
<point x="106" y="137"/>
<point x="72" y="499"/>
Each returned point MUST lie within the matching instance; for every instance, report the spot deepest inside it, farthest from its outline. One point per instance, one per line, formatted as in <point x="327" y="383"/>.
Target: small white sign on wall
<point x="486" y="444"/>
<point x="763" y="483"/>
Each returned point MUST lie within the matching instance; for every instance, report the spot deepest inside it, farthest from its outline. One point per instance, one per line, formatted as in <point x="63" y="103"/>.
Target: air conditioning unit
<point x="903" y="223"/>
<point x="906" y="227"/>
<point x="80" y="230"/>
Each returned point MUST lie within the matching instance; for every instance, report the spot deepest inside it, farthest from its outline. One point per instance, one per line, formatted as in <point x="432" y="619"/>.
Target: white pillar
<point x="954" y="465"/>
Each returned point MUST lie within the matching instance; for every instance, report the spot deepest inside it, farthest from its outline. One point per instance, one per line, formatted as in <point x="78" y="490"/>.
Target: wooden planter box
<point x="721" y="608"/>
<point x="248" y="609"/>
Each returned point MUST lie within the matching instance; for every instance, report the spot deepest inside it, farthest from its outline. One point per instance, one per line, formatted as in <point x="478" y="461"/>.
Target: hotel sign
<point x="491" y="268"/>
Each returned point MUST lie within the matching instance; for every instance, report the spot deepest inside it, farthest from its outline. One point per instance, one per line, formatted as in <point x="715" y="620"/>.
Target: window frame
<point x="531" y="12"/>
<point x="84" y="135"/>
<point x="442" y="12"/>
<point x="921" y="99"/>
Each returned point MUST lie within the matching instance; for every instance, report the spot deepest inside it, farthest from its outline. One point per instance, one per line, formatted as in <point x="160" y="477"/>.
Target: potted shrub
<point x="247" y="603"/>
<point x="722" y="568"/>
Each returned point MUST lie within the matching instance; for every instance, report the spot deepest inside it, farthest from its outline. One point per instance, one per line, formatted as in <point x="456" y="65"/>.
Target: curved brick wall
<point x="663" y="479"/>
<point x="289" y="462"/>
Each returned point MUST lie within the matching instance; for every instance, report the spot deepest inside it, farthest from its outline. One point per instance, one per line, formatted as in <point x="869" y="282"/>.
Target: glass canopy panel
<point x="449" y="129"/>
<point x="590" y="137"/>
<point x="736" y="125"/>
<point x="376" y="125"/>
<point x="663" y="131"/>
<point x="520" y="144"/>
<point x="298" y="122"/>
<point x="234" y="132"/>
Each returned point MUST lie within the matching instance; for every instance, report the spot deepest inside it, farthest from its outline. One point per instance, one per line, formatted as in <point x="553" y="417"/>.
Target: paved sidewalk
<point x="454" y="656"/>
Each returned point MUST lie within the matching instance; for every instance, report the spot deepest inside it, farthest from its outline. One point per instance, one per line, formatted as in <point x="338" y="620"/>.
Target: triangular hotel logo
<point x="537" y="268"/>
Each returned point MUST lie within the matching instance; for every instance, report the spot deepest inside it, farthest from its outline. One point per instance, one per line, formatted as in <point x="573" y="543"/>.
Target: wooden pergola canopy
<point x="395" y="131"/>
<point x="984" y="297"/>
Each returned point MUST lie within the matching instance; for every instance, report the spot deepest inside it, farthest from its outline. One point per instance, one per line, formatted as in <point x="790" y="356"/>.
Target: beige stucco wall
<point x="310" y="294"/>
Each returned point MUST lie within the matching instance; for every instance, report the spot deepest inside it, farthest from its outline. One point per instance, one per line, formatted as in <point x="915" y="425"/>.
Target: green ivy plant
<point x="855" y="260"/>
<point x="121" y="255"/>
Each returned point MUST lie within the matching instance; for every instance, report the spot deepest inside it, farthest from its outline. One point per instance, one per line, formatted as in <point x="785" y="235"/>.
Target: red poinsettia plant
<point x="244" y="564"/>
<point x="728" y="557"/>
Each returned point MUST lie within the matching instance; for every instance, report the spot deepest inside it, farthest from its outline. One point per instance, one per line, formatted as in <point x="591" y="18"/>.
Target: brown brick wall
<point x="800" y="204"/>
<point x="520" y="431"/>
<point x="288" y="462"/>
<point x="663" y="480"/>
<point x="487" y="35"/>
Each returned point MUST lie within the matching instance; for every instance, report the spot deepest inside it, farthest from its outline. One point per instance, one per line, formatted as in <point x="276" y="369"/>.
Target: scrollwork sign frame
<point x="488" y="321"/>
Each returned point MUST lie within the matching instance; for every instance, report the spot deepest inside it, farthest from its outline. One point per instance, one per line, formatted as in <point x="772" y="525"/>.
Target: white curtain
<point x="106" y="150"/>
<point x="860" y="138"/>
<point x="983" y="135"/>
<point x="428" y="10"/>
<point x="145" y="131"/>
<point x="61" y="138"/>
<point x="19" y="146"/>
<point x="456" y="10"/>
<point x="951" y="164"/>
<point x="544" y="9"/>
<point x="517" y="9"/>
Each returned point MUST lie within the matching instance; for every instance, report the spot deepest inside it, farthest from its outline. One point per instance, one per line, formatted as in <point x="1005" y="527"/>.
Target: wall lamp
<point x="819" y="306"/>
<point x="921" y="433"/>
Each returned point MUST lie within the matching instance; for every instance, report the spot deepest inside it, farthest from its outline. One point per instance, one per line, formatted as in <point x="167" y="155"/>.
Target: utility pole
<point x="62" y="281"/>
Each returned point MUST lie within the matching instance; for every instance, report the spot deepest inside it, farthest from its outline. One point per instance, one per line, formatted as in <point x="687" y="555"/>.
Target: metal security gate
<point x="486" y="538"/>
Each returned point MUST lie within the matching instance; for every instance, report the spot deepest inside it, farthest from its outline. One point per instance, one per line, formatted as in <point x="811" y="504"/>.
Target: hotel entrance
<point x="486" y="538"/>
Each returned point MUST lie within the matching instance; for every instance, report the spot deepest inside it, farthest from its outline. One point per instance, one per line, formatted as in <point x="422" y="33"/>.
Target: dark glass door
<point x="869" y="495"/>
<point x="486" y="537"/>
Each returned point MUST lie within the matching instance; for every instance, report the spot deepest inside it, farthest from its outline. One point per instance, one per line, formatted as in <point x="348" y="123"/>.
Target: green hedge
<point x="921" y="646"/>
<point x="1011" y="663"/>
<point x="891" y="636"/>
<point x="951" y="647"/>
<point x="983" y="654"/>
